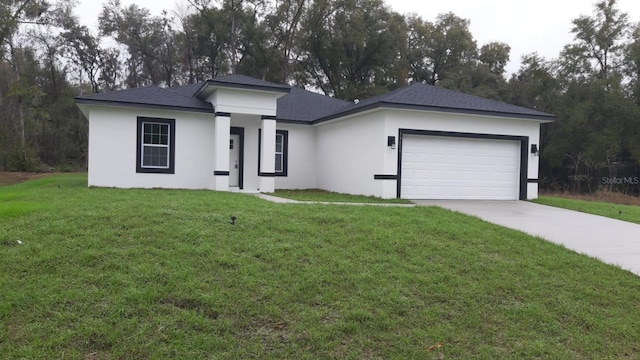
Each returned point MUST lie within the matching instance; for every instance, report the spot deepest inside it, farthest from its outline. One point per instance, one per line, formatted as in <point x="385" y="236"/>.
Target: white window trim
<point x="281" y="153"/>
<point x="143" y="145"/>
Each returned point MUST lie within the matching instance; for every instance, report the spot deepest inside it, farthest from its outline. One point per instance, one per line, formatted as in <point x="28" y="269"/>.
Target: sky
<point x="542" y="26"/>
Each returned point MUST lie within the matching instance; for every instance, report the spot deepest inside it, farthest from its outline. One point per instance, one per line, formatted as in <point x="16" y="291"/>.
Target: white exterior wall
<point x="220" y="141"/>
<point x="267" y="155"/>
<point x="301" y="158"/>
<point x="113" y="142"/>
<point x="244" y="101"/>
<point x="350" y="153"/>
<point x="418" y="120"/>
<point x="341" y="155"/>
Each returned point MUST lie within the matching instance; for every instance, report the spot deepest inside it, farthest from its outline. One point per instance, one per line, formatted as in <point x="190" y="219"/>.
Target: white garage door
<point x="442" y="167"/>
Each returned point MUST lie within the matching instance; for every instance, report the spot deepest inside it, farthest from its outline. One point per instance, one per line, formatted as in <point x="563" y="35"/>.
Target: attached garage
<point x="447" y="166"/>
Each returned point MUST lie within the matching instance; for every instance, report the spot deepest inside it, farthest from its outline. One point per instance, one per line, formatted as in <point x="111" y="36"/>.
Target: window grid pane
<point x="156" y="134"/>
<point x="278" y="162"/>
<point x="154" y="156"/>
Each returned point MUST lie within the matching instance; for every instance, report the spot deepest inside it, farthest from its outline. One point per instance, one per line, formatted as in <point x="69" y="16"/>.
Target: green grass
<point x="628" y="213"/>
<point x="162" y="274"/>
<point x="317" y="195"/>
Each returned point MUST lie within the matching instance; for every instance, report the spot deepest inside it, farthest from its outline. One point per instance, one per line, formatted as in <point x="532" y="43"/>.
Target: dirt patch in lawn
<point x="9" y="178"/>
<point x="601" y="196"/>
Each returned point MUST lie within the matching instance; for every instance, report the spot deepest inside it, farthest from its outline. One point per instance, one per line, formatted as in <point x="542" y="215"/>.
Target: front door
<point x="234" y="161"/>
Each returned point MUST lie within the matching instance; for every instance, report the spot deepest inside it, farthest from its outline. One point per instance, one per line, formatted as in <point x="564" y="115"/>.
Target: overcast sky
<point x="541" y="26"/>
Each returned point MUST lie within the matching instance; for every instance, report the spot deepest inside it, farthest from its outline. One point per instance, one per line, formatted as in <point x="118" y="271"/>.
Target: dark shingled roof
<point x="427" y="97"/>
<point x="307" y="107"/>
<point x="187" y="90"/>
<point x="148" y="96"/>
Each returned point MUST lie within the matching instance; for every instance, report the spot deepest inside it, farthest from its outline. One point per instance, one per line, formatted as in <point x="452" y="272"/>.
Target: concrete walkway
<point x="279" y="200"/>
<point x="612" y="241"/>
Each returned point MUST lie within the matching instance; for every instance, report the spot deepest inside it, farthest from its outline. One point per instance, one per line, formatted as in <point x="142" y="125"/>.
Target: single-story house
<point x="237" y="133"/>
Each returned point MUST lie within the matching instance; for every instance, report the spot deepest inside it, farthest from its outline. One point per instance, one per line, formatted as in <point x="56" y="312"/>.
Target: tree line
<point x="350" y="49"/>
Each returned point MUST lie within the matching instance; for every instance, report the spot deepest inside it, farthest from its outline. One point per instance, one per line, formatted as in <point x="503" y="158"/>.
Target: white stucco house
<point x="238" y="133"/>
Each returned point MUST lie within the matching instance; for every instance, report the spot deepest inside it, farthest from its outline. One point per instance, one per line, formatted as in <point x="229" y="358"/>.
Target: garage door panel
<point x="459" y="168"/>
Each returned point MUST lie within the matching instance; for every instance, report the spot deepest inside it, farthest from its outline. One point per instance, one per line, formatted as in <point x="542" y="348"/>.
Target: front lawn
<point x="630" y="213"/>
<point x="163" y="274"/>
<point x="9" y="178"/>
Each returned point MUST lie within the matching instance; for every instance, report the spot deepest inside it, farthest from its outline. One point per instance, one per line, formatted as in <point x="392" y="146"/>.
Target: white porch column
<point x="222" y="127"/>
<point x="268" y="154"/>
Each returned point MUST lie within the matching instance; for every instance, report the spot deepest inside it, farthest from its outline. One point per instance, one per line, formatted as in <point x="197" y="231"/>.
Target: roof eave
<point x="291" y="121"/>
<point x="141" y="105"/>
<point x="382" y="104"/>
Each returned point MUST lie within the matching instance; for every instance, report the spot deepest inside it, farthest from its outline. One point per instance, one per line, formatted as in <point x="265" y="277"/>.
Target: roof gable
<point x="241" y="82"/>
<point x="248" y="81"/>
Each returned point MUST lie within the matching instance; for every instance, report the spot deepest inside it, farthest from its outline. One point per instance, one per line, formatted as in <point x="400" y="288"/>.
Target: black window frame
<point x="171" y="144"/>
<point x="285" y="153"/>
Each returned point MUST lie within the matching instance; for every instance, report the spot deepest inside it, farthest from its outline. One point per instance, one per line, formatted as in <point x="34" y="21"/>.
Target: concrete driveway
<point x="612" y="241"/>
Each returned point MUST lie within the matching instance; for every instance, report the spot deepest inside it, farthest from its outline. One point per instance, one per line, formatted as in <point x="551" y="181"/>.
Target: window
<point x="156" y="146"/>
<point x="282" y="139"/>
<point x="281" y="151"/>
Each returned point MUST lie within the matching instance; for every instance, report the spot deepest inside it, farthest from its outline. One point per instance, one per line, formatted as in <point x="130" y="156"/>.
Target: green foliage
<point x="350" y="49"/>
<point x="149" y="41"/>
<point x="204" y="38"/>
<point x="13" y="12"/>
<point x="162" y="274"/>
<point x="24" y="159"/>
<point x="444" y="53"/>
<point x="84" y="50"/>
<point x="632" y="63"/>
<point x="495" y="56"/>
<point x="534" y="86"/>
<point x="438" y="50"/>
<point x="598" y="42"/>
<point x="39" y="99"/>
<point x="595" y="137"/>
<point x="592" y="91"/>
